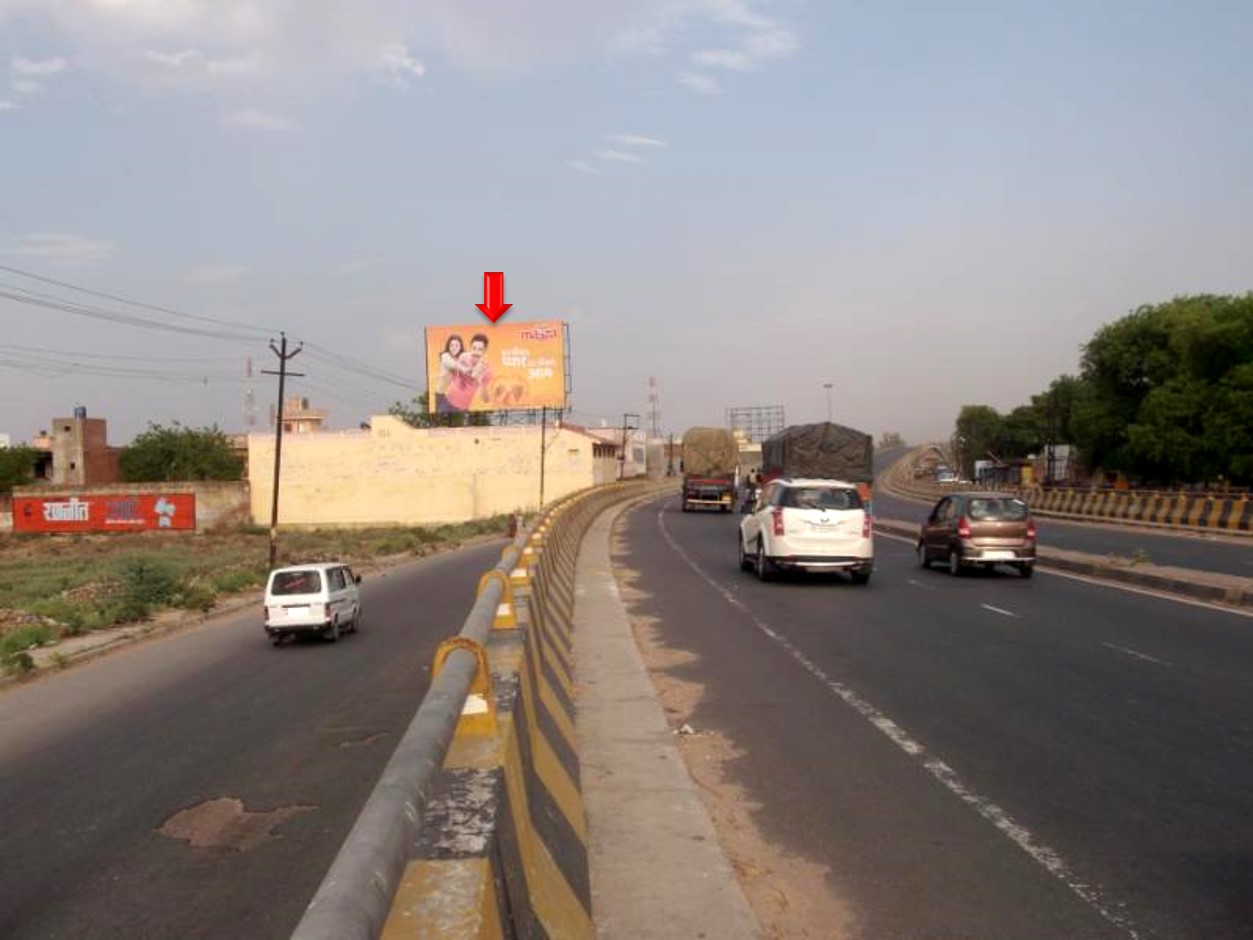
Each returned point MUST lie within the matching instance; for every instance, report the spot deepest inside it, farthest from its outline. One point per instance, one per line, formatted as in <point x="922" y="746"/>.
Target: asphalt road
<point x="977" y="757"/>
<point x="97" y="759"/>
<point x="1224" y="555"/>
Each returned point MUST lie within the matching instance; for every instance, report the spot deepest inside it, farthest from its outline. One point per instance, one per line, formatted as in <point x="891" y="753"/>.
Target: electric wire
<point x="139" y="304"/>
<point x="49" y="302"/>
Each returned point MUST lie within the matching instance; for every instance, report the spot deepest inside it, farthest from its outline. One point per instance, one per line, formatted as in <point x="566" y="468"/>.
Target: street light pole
<point x="828" y="386"/>
<point x="626" y="426"/>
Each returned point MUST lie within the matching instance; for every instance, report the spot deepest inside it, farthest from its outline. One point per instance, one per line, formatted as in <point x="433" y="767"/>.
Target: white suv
<point x="810" y="525"/>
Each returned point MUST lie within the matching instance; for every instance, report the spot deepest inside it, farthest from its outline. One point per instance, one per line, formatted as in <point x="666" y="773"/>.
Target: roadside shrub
<point x="194" y="597"/>
<point x="127" y="610"/>
<point x="398" y="544"/>
<point x="17" y="663"/>
<point x="14" y="658"/>
<point x="147" y="582"/>
<point x="236" y="580"/>
<point x="23" y="638"/>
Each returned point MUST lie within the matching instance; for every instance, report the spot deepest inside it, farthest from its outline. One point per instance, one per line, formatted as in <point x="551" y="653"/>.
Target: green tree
<point x="1023" y="432"/>
<point x="415" y="414"/>
<point x="162" y="454"/>
<point x="977" y="432"/>
<point x="1057" y="406"/>
<point x="17" y="467"/>
<point x="1165" y="389"/>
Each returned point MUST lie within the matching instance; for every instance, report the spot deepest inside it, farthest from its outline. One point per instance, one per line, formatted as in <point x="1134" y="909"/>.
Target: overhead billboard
<point x="496" y="367"/>
<point x="121" y="513"/>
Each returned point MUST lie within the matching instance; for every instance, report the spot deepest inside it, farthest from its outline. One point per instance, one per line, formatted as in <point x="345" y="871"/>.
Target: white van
<point x="323" y="598"/>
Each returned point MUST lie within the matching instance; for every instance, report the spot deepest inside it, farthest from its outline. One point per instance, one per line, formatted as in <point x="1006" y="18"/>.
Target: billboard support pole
<point x="543" y="452"/>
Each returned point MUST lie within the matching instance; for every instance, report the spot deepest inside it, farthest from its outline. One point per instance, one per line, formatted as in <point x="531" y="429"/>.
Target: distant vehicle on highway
<point x="966" y="530"/>
<point x="711" y="459"/>
<point x="946" y="477"/>
<point x="808" y="525"/>
<point x="319" y="599"/>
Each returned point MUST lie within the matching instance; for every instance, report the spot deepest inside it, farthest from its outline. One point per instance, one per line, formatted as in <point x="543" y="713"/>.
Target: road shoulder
<point x="657" y="868"/>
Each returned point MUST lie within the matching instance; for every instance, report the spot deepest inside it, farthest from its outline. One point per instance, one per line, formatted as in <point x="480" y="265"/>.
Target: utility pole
<point x="282" y="373"/>
<point x="626" y="426"/>
<point x="828" y="386"/>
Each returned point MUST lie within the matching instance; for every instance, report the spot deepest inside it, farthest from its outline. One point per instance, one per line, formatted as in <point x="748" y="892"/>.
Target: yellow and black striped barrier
<point x="499" y="834"/>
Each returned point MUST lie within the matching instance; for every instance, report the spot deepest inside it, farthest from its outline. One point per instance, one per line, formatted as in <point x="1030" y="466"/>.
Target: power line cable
<point x="142" y="305"/>
<point x="56" y="369"/>
<point x="356" y="366"/>
<point x="51" y="303"/>
<point x="109" y="356"/>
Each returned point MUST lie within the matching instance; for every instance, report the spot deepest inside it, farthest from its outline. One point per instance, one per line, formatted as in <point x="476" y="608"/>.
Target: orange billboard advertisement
<point x="128" y="512"/>
<point x="496" y="367"/>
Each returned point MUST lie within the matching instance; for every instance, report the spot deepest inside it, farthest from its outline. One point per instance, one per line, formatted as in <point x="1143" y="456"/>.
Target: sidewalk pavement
<point x="657" y="869"/>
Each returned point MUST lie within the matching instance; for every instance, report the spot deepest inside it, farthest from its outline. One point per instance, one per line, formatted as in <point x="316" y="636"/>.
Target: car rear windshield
<point x="819" y="497"/>
<point x="996" y="509"/>
<point x="296" y="582"/>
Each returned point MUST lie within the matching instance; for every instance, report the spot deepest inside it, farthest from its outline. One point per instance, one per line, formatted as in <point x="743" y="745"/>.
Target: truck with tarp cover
<point x="710" y="462"/>
<point x="824" y="451"/>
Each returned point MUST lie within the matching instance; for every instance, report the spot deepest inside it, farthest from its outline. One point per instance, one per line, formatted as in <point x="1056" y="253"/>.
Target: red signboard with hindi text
<point x="124" y="512"/>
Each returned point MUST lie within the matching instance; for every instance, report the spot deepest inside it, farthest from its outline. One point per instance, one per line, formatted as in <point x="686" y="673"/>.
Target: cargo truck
<point x="821" y="451"/>
<point x="710" y="463"/>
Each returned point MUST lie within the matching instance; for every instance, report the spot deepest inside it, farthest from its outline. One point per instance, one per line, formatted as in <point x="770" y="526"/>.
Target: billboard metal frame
<point x="758" y="422"/>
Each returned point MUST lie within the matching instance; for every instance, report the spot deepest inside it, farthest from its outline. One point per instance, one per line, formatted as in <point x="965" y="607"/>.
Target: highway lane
<point x="1225" y="555"/>
<point x="1230" y="555"/>
<point x="99" y="758"/>
<point x="975" y="757"/>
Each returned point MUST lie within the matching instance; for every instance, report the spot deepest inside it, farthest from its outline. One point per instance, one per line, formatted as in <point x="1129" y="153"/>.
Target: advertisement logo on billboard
<point x="505" y="367"/>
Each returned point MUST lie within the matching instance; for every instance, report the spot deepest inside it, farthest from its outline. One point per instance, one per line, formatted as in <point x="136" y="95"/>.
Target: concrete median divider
<point x="477" y="826"/>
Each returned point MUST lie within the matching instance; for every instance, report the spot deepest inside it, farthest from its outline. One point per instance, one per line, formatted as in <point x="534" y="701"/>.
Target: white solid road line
<point x="1047" y="858"/>
<point x="1130" y="652"/>
<point x="998" y="610"/>
<point x="1147" y="592"/>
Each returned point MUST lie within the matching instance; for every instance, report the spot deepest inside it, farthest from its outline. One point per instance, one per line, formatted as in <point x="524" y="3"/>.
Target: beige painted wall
<point x="393" y="474"/>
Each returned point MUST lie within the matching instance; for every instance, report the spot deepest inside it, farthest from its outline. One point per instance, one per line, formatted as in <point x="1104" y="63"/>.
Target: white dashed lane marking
<point x="1144" y="656"/>
<point x="999" y="610"/>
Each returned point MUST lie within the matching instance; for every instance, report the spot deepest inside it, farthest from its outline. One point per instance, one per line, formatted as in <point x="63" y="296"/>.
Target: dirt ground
<point x="790" y="896"/>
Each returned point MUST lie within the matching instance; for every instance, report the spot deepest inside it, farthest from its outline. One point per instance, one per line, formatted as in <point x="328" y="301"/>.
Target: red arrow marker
<point x="493" y="305"/>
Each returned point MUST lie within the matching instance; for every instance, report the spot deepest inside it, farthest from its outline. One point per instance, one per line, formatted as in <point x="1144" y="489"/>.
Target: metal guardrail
<point x="354" y="899"/>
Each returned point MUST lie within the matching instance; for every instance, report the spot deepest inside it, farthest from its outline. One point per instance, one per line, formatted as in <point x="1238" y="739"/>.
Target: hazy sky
<point x="924" y="204"/>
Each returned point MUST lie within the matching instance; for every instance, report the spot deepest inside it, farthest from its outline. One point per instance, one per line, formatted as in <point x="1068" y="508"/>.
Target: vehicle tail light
<point x="777" y="518"/>
<point x="1031" y="529"/>
<point x="865" y="525"/>
<point x="963" y="528"/>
